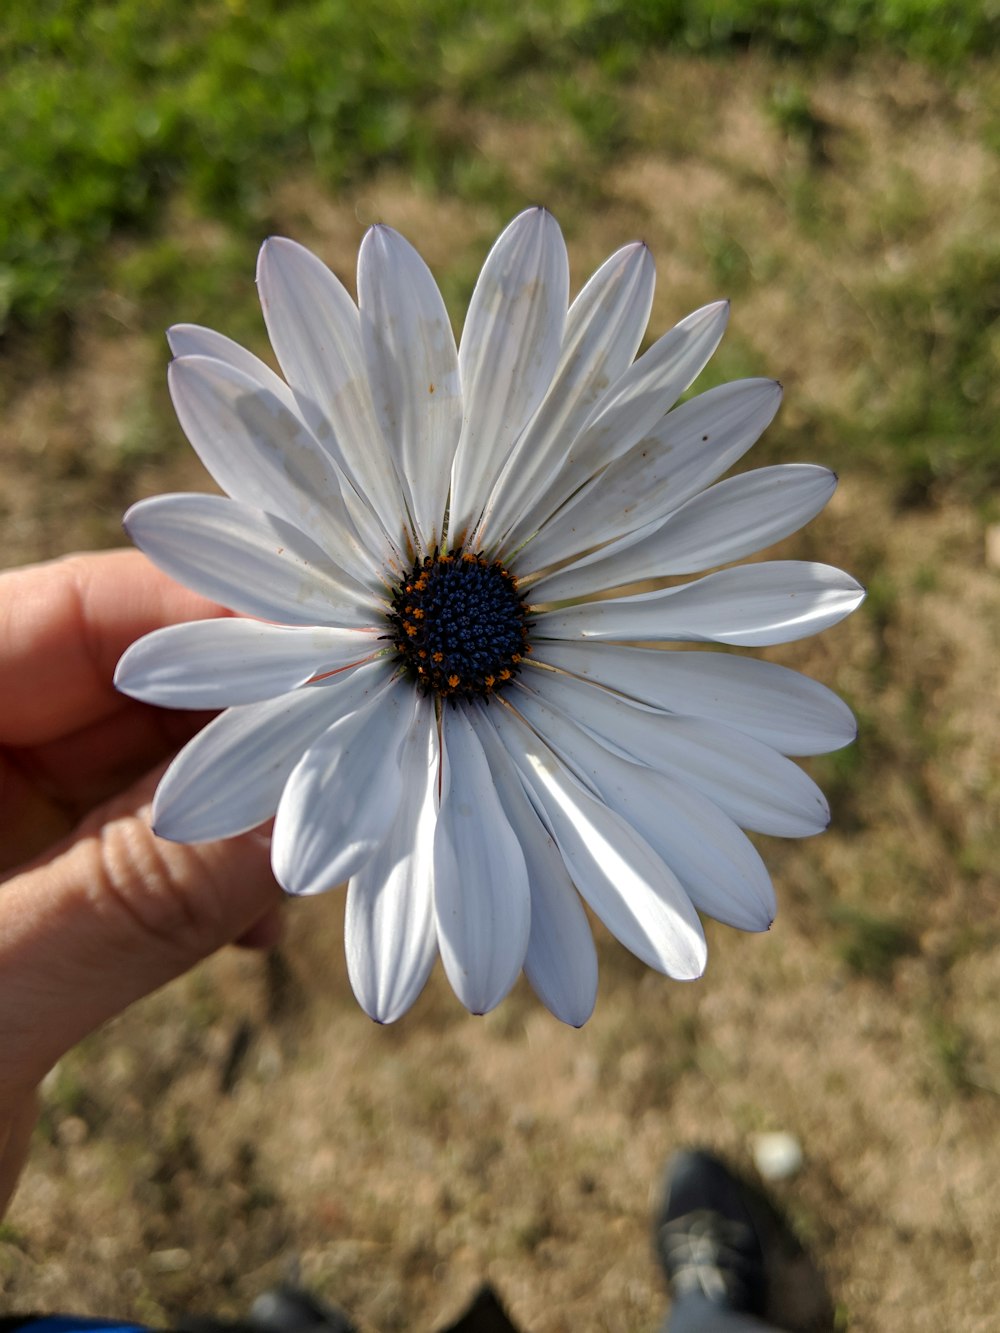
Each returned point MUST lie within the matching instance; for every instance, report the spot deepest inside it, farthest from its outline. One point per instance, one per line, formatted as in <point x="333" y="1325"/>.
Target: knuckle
<point x="155" y="892"/>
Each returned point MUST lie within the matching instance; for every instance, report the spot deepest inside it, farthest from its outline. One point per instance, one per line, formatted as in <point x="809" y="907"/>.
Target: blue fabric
<point x="79" y="1323"/>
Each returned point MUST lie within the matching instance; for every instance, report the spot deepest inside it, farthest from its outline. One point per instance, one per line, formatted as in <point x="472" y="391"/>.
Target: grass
<point x="111" y="108"/>
<point x="940" y="407"/>
<point x="146" y="143"/>
<point x="871" y="945"/>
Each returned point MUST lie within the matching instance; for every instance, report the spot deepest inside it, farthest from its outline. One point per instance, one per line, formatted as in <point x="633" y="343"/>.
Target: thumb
<point x="110" y="916"/>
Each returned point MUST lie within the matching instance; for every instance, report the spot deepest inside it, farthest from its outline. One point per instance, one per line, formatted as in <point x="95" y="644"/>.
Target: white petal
<point x="260" y="452"/>
<point x="629" y="887"/>
<point x="604" y="327"/>
<point x="193" y="340"/>
<point x="249" y="561"/>
<point x="341" y="798"/>
<point x="757" y="787"/>
<point x="315" y="330"/>
<point x="727" y="522"/>
<point x="699" y="440"/>
<point x="390" y="935"/>
<point x="257" y="449"/>
<point x="716" y="864"/>
<point x="230" y="777"/>
<point x="509" y="351"/>
<point x="218" y="663"/>
<point x="692" y="446"/>
<point x="631" y="409"/>
<point x="413" y="369"/>
<point x="743" y="515"/>
<point x="775" y="705"/>
<point x="481" y="896"/>
<point x="561" y="962"/>
<point x="776" y="601"/>
<point x="361" y="531"/>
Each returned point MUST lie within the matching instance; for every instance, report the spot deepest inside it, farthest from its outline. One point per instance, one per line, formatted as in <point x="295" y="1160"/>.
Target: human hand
<point x="95" y="911"/>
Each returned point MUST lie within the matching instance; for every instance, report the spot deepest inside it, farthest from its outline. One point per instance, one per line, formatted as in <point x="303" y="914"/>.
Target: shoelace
<point x="706" y="1252"/>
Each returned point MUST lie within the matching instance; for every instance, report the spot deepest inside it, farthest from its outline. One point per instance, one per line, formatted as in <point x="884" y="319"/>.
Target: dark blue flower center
<point x="459" y="624"/>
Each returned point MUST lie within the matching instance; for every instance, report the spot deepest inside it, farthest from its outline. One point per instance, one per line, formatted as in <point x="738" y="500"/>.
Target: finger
<point x="17" y="1120"/>
<point x="97" y="760"/>
<point x="46" y="790"/>
<point x="113" y="916"/>
<point x="63" y="626"/>
<point x="32" y="819"/>
<point x="265" y="933"/>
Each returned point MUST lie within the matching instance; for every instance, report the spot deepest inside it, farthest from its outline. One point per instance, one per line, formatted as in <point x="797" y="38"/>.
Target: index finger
<point x="63" y="626"/>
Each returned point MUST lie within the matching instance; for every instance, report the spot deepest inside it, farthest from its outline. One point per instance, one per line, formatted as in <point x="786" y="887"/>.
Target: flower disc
<point x="459" y="625"/>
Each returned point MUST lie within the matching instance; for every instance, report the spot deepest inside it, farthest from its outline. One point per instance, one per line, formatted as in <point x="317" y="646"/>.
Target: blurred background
<point x="833" y="170"/>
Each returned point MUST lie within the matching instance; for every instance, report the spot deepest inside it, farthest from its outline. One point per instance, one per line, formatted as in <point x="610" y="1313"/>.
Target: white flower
<point x="432" y="692"/>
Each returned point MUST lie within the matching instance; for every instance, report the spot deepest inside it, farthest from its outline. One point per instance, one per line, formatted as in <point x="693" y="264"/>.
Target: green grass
<point x="941" y="403"/>
<point x="110" y="108"/>
<point x="145" y="143"/>
<point x="871" y="945"/>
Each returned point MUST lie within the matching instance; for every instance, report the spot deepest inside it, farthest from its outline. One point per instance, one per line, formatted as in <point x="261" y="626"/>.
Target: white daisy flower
<point x="435" y="689"/>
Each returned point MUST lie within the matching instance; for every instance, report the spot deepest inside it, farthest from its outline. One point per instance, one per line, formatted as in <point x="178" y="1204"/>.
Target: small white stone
<point x="169" y="1261"/>
<point x="72" y="1131"/>
<point x="777" y="1156"/>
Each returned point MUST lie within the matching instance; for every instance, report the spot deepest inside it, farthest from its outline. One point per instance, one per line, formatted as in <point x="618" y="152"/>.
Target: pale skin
<point x="95" y="910"/>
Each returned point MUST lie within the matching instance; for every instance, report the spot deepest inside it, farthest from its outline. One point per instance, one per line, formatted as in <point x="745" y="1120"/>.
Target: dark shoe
<point x="484" y="1315"/>
<point x="705" y="1237"/>
<point x="289" y="1310"/>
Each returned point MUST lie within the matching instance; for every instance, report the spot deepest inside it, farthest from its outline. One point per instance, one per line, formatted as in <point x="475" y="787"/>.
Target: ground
<point x="250" y="1125"/>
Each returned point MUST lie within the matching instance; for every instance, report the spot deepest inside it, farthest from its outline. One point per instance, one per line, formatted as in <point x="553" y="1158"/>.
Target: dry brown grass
<point x="250" y="1124"/>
